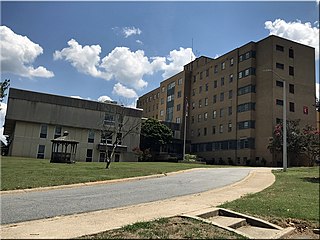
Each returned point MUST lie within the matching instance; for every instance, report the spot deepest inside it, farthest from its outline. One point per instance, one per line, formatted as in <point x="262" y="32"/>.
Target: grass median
<point x="22" y="173"/>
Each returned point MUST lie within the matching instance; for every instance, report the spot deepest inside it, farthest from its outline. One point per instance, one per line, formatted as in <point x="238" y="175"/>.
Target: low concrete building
<point x="33" y="119"/>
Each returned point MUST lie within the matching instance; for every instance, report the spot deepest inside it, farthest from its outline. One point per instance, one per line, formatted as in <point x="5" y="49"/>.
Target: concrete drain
<point x="241" y="224"/>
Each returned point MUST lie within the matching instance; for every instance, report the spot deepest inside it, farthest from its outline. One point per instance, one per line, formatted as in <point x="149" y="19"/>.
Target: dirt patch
<point x="167" y="228"/>
<point x="303" y="229"/>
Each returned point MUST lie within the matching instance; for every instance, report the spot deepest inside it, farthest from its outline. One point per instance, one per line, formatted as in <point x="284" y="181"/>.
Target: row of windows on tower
<point x="221" y="128"/>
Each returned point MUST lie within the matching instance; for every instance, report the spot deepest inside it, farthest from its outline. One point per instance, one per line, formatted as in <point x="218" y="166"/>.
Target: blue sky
<point x="121" y="50"/>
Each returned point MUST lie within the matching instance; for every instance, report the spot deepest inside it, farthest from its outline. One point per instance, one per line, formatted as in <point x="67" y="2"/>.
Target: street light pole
<point x="284" y="122"/>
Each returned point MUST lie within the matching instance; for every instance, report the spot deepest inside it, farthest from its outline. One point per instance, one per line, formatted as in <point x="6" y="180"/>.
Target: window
<point x="280" y="65"/>
<point x="207" y="87"/>
<point x="178" y="107"/>
<point x="179" y="94"/>
<point x="230" y="78"/>
<point x="90" y="136"/>
<point x="180" y="81"/>
<point x="194" y="78"/>
<point x="161" y="112"/>
<point x="240" y="75"/>
<point x="89" y="155"/>
<point x="279" y="83"/>
<point x="200" y="103"/>
<point x="162" y="101"/>
<point x="230" y="111"/>
<point x="205" y="116"/>
<point x="222" y="81"/>
<point x="231" y="61"/>
<point x="171" y="85"/>
<point x="206" y="101"/>
<point x="193" y="105"/>
<point x="221" y="128"/>
<point x="200" y="89"/>
<point x="214" y="98"/>
<point x="221" y="97"/>
<point x="170" y="98"/>
<point x="291" y="71"/>
<point x="199" y="132"/>
<point x="215" y="84"/>
<point x="57" y="131"/>
<point x="223" y="65"/>
<point x="221" y="112"/>
<point x="193" y="92"/>
<point x="247" y="55"/>
<point x="178" y="120"/>
<point x="230" y="94"/>
<point x="199" y="117"/>
<point x="246" y="107"/>
<point x="192" y="119"/>
<point x="279" y="102"/>
<point x="109" y="119"/>
<point x="43" y="131"/>
<point x="279" y="48"/>
<point x="214" y="114"/>
<point x="215" y="68"/>
<point x="246" y="124"/>
<point x="291" y="53"/>
<point x="207" y="73"/>
<point x="205" y="131"/>
<point x="41" y="150"/>
<point x="246" y="89"/>
<point x="162" y="89"/>
<point x="291" y="88"/>
<point x="200" y="75"/>
<point x="229" y="127"/>
<point x="291" y="106"/>
<point x="213" y="129"/>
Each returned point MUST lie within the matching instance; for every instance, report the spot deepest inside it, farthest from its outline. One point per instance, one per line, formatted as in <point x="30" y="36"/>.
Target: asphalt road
<point x="19" y="207"/>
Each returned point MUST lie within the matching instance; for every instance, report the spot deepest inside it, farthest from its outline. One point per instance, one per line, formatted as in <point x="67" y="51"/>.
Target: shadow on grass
<point x="311" y="179"/>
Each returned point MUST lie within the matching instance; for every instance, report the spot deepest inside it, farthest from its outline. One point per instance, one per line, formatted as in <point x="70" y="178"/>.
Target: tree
<point x="3" y="88"/>
<point x="154" y="134"/>
<point x="311" y="143"/>
<point x="114" y="128"/>
<point x="298" y="142"/>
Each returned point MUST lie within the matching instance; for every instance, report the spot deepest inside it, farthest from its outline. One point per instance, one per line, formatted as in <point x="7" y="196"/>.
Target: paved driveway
<point x="44" y="204"/>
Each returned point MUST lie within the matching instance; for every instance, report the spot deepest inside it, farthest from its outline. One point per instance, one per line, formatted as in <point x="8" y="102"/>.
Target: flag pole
<point x="185" y="130"/>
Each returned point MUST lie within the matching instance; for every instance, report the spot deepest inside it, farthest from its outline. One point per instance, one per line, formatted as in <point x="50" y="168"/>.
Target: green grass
<point x="295" y="194"/>
<point x="22" y="173"/>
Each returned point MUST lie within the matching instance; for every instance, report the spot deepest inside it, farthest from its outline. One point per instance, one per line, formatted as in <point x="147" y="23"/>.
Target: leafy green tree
<point x="154" y="134"/>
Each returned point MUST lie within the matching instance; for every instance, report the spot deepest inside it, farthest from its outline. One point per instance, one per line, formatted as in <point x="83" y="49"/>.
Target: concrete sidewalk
<point x="93" y="222"/>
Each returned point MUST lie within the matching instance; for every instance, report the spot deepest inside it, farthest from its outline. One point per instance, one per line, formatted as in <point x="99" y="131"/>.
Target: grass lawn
<point x="294" y="195"/>
<point x="21" y="173"/>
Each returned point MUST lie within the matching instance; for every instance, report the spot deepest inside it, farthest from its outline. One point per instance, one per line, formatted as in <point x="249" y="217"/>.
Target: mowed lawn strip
<point x="294" y="195"/>
<point x="22" y="173"/>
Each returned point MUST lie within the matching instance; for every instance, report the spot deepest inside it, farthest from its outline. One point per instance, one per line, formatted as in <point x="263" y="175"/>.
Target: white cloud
<point x="104" y="98"/>
<point x="121" y="64"/>
<point x="127" y="67"/>
<point x="296" y="31"/>
<point x="3" y="111"/>
<point x="140" y="42"/>
<point x="128" y="31"/>
<point x="18" y="54"/>
<point x="177" y="59"/>
<point x="123" y="91"/>
<point x="85" y="59"/>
